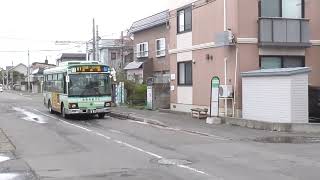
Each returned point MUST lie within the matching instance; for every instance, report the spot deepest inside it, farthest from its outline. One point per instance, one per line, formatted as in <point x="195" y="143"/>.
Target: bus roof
<point x="64" y="66"/>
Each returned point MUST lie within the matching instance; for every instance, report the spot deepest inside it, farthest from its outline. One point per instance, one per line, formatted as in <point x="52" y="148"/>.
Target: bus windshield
<point x="84" y="85"/>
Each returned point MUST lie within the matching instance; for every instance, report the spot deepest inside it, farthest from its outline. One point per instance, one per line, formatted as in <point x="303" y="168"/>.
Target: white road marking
<point x="8" y="176"/>
<point x="192" y="169"/>
<point x="138" y="149"/>
<point x="115" y="131"/>
<point x="125" y="144"/>
<point x="4" y="158"/>
<point x="30" y="116"/>
<point x="83" y="128"/>
<point x="102" y="135"/>
<point x="138" y="122"/>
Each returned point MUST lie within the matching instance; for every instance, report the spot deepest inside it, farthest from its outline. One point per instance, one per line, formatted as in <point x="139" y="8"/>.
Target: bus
<point x="78" y="88"/>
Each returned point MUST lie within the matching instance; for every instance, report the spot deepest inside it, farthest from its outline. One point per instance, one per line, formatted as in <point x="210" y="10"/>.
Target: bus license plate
<point x="92" y="111"/>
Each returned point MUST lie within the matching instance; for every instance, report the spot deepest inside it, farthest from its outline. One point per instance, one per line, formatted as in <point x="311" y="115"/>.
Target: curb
<point x="136" y="118"/>
<point x="280" y="127"/>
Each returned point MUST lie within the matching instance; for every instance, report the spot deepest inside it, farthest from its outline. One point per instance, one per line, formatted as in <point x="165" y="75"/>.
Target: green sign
<point x="214" y="99"/>
<point x="215" y="82"/>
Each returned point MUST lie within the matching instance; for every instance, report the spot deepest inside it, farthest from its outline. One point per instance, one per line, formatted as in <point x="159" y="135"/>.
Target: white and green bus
<point x="78" y="88"/>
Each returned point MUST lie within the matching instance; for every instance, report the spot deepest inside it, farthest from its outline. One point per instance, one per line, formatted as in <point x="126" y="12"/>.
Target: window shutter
<point x="163" y="46"/>
<point x="138" y="50"/>
<point x="146" y="49"/>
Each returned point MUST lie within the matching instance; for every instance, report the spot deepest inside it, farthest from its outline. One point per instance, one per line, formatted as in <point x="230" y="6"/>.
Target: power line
<point x="24" y="39"/>
<point x="39" y="50"/>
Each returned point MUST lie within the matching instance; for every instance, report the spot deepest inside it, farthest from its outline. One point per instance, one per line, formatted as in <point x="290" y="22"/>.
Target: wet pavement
<point x="85" y="148"/>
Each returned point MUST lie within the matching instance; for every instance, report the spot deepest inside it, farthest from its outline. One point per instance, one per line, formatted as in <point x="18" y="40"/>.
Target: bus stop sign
<point x="214" y="100"/>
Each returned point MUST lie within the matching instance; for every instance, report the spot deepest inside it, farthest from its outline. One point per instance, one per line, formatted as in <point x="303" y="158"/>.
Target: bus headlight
<point x="73" y="105"/>
<point x="107" y="104"/>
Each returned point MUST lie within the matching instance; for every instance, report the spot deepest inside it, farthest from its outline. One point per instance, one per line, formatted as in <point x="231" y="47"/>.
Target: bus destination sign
<point x="80" y="69"/>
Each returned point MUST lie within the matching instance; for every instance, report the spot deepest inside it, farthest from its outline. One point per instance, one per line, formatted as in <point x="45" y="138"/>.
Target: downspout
<point x="235" y="83"/>
<point x="225" y="83"/>
<point x="224" y="15"/>
<point x="225" y="59"/>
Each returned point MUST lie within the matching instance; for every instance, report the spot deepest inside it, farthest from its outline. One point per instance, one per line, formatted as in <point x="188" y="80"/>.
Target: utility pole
<point x="28" y="73"/>
<point x="122" y="58"/>
<point x="87" y="52"/>
<point x="7" y="78"/>
<point x="12" y="75"/>
<point x="94" y="41"/>
<point x="97" y="44"/>
<point x="2" y="77"/>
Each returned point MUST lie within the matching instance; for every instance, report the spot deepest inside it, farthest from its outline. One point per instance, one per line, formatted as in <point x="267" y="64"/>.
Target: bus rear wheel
<point x="50" y="107"/>
<point x="101" y="115"/>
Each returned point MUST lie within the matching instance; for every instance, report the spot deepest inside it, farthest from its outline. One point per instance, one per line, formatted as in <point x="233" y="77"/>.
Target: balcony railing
<point x="284" y="32"/>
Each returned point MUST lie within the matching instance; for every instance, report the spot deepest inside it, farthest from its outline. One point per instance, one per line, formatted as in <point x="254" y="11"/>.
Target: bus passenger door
<point x="56" y="102"/>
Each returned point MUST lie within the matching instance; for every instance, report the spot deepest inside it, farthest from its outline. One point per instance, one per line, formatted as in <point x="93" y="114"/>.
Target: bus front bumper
<point x="88" y="111"/>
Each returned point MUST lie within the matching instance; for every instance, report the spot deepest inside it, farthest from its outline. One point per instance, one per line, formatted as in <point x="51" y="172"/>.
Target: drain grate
<point x="288" y="140"/>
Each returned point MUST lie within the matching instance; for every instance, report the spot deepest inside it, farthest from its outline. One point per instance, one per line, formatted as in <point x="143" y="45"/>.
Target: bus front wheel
<point x="50" y="107"/>
<point x="63" y="112"/>
<point x="101" y="115"/>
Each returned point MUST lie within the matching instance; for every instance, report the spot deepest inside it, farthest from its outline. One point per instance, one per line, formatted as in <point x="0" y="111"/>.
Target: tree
<point x="17" y="77"/>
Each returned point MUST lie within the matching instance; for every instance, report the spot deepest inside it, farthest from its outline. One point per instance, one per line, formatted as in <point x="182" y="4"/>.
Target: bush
<point x="136" y="93"/>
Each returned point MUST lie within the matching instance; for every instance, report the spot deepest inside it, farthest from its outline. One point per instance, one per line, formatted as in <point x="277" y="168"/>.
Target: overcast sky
<point x="37" y="24"/>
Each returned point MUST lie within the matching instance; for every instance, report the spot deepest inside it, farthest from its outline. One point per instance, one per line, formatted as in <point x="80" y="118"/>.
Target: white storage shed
<point x="276" y="95"/>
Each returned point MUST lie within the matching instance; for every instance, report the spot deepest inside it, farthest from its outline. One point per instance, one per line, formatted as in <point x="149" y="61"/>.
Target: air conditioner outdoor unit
<point x="226" y="91"/>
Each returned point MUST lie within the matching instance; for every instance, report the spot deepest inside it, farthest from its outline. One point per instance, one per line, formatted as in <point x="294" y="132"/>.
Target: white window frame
<point x="161" y="51"/>
<point x="145" y="50"/>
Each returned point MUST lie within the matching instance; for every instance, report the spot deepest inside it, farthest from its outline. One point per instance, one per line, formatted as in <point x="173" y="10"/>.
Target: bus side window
<point x="64" y="84"/>
<point x="45" y="83"/>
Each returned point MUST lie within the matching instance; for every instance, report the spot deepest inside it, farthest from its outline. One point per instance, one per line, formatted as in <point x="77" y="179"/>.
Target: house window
<point x="142" y="50"/>
<point x="184" y="17"/>
<point x="113" y="56"/>
<point x="282" y="8"/>
<point x="272" y="62"/>
<point x="185" y="73"/>
<point x="161" y="47"/>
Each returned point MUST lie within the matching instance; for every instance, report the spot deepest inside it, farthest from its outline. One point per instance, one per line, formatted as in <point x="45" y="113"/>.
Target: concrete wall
<point x="162" y="96"/>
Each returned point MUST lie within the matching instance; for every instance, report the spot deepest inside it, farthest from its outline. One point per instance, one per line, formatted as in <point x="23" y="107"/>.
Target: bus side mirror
<point x="67" y="79"/>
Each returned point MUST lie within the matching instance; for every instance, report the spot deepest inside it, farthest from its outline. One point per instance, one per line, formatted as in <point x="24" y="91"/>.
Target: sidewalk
<point x="12" y="167"/>
<point x="5" y="143"/>
<point x="186" y="123"/>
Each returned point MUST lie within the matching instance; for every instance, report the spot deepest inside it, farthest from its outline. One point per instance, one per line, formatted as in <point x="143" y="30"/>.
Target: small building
<point x="134" y="71"/>
<point x="276" y="95"/>
<point x="65" y="57"/>
<point x="151" y="37"/>
<point x="36" y="75"/>
<point x="16" y="75"/>
<point x="46" y="65"/>
<point x="116" y="53"/>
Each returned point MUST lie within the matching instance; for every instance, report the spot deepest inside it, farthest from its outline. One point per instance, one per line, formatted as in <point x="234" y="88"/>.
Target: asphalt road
<point x="78" y="149"/>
